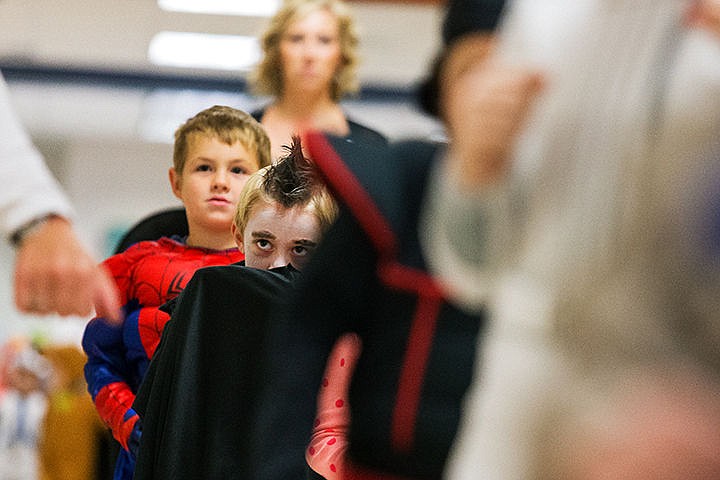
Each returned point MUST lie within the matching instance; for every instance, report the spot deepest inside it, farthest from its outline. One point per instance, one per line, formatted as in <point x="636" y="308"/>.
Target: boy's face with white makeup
<point x="276" y="236"/>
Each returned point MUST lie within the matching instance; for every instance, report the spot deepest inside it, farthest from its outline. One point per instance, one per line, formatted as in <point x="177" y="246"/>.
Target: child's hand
<point x="484" y="110"/>
<point x="705" y="14"/>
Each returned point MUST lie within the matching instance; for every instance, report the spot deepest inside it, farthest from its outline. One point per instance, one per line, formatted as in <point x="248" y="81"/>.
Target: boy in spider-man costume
<point x="215" y="152"/>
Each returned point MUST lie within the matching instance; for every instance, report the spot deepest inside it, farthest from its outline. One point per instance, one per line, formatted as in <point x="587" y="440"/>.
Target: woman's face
<point x="310" y="52"/>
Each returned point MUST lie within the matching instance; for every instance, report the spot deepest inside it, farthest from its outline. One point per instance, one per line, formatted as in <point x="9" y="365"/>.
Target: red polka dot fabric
<point x="326" y="451"/>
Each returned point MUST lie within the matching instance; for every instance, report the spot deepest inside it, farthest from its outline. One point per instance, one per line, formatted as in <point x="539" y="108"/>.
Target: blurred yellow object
<point x="70" y="437"/>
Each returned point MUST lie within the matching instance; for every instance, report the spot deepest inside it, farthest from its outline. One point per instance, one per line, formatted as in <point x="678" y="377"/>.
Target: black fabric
<point x="343" y="290"/>
<point x="165" y="223"/>
<point x="200" y="393"/>
<point x="358" y="133"/>
<point x="462" y="17"/>
<point x="313" y="475"/>
<point x="470" y="16"/>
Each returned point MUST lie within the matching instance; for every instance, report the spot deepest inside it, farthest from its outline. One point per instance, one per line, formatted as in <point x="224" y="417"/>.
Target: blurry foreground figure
<point x="649" y="425"/>
<point x="597" y="194"/>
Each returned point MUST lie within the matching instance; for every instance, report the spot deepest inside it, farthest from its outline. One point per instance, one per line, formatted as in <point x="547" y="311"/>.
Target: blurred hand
<point x="55" y="274"/>
<point x="705" y="14"/>
<point x="484" y="106"/>
<point x="661" y="427"/>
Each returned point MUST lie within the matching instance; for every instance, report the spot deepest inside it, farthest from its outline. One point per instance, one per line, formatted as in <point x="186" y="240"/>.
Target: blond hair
<point x="267" y="78"/>
<point x="291" y="182"/>
<point x="228" y="125"/>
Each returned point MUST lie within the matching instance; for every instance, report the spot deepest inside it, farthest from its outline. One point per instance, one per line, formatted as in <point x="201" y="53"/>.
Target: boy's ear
<point x="175" y="181"/>
<point x="237" y="235"/>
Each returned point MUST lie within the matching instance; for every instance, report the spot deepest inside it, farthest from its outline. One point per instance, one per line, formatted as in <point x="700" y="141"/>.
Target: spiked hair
<point x="293" y="181"/>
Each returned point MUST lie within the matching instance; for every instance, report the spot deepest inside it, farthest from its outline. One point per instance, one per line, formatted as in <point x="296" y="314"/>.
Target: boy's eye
<point x="263" y="244"/>
<point x="326" y="40"/>
<point x="203" y="168"/>
<point x="295" y="38"/>
<point x="239" y="171"/>
<point x="300" y="250"/>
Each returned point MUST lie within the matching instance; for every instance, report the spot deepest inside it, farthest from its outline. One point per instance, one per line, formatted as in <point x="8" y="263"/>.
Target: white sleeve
<point x="29" y="189"/>
<point x="465" y="237"/>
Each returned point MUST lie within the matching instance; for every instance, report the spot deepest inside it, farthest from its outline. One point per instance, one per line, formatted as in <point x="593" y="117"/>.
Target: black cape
<point x="369" y="276"/>
<point x="359" y="133"/>
<point x="199" y="394"/>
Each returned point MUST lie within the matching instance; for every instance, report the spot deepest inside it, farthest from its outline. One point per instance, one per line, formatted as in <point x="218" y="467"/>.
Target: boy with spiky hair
<point x="199" y="400"/>
<point x="285" y="198"/>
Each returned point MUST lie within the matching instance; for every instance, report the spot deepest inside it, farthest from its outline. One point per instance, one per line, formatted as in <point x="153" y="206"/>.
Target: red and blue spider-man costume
<point x="148" y="274"/>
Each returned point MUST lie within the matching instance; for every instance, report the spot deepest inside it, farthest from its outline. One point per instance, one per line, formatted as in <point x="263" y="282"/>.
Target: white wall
<point x="397" y="40"/>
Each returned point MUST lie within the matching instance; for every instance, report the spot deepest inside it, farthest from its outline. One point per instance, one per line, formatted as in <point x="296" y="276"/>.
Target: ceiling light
<point x="203" y="50"/>
<point x="251" y="8"/>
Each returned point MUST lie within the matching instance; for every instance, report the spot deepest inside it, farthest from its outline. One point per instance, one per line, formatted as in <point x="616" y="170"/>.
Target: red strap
<point x="393" y="274"/>
<point x="348" y="188"/>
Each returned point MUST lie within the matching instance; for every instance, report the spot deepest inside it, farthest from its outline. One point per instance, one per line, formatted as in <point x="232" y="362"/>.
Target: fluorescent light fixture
<point x="203" y="50"/>
<point x="249" y="8"/>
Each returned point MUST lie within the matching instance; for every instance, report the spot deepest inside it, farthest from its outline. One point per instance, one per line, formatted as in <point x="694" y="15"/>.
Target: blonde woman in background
<point x="309" y="63"/>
